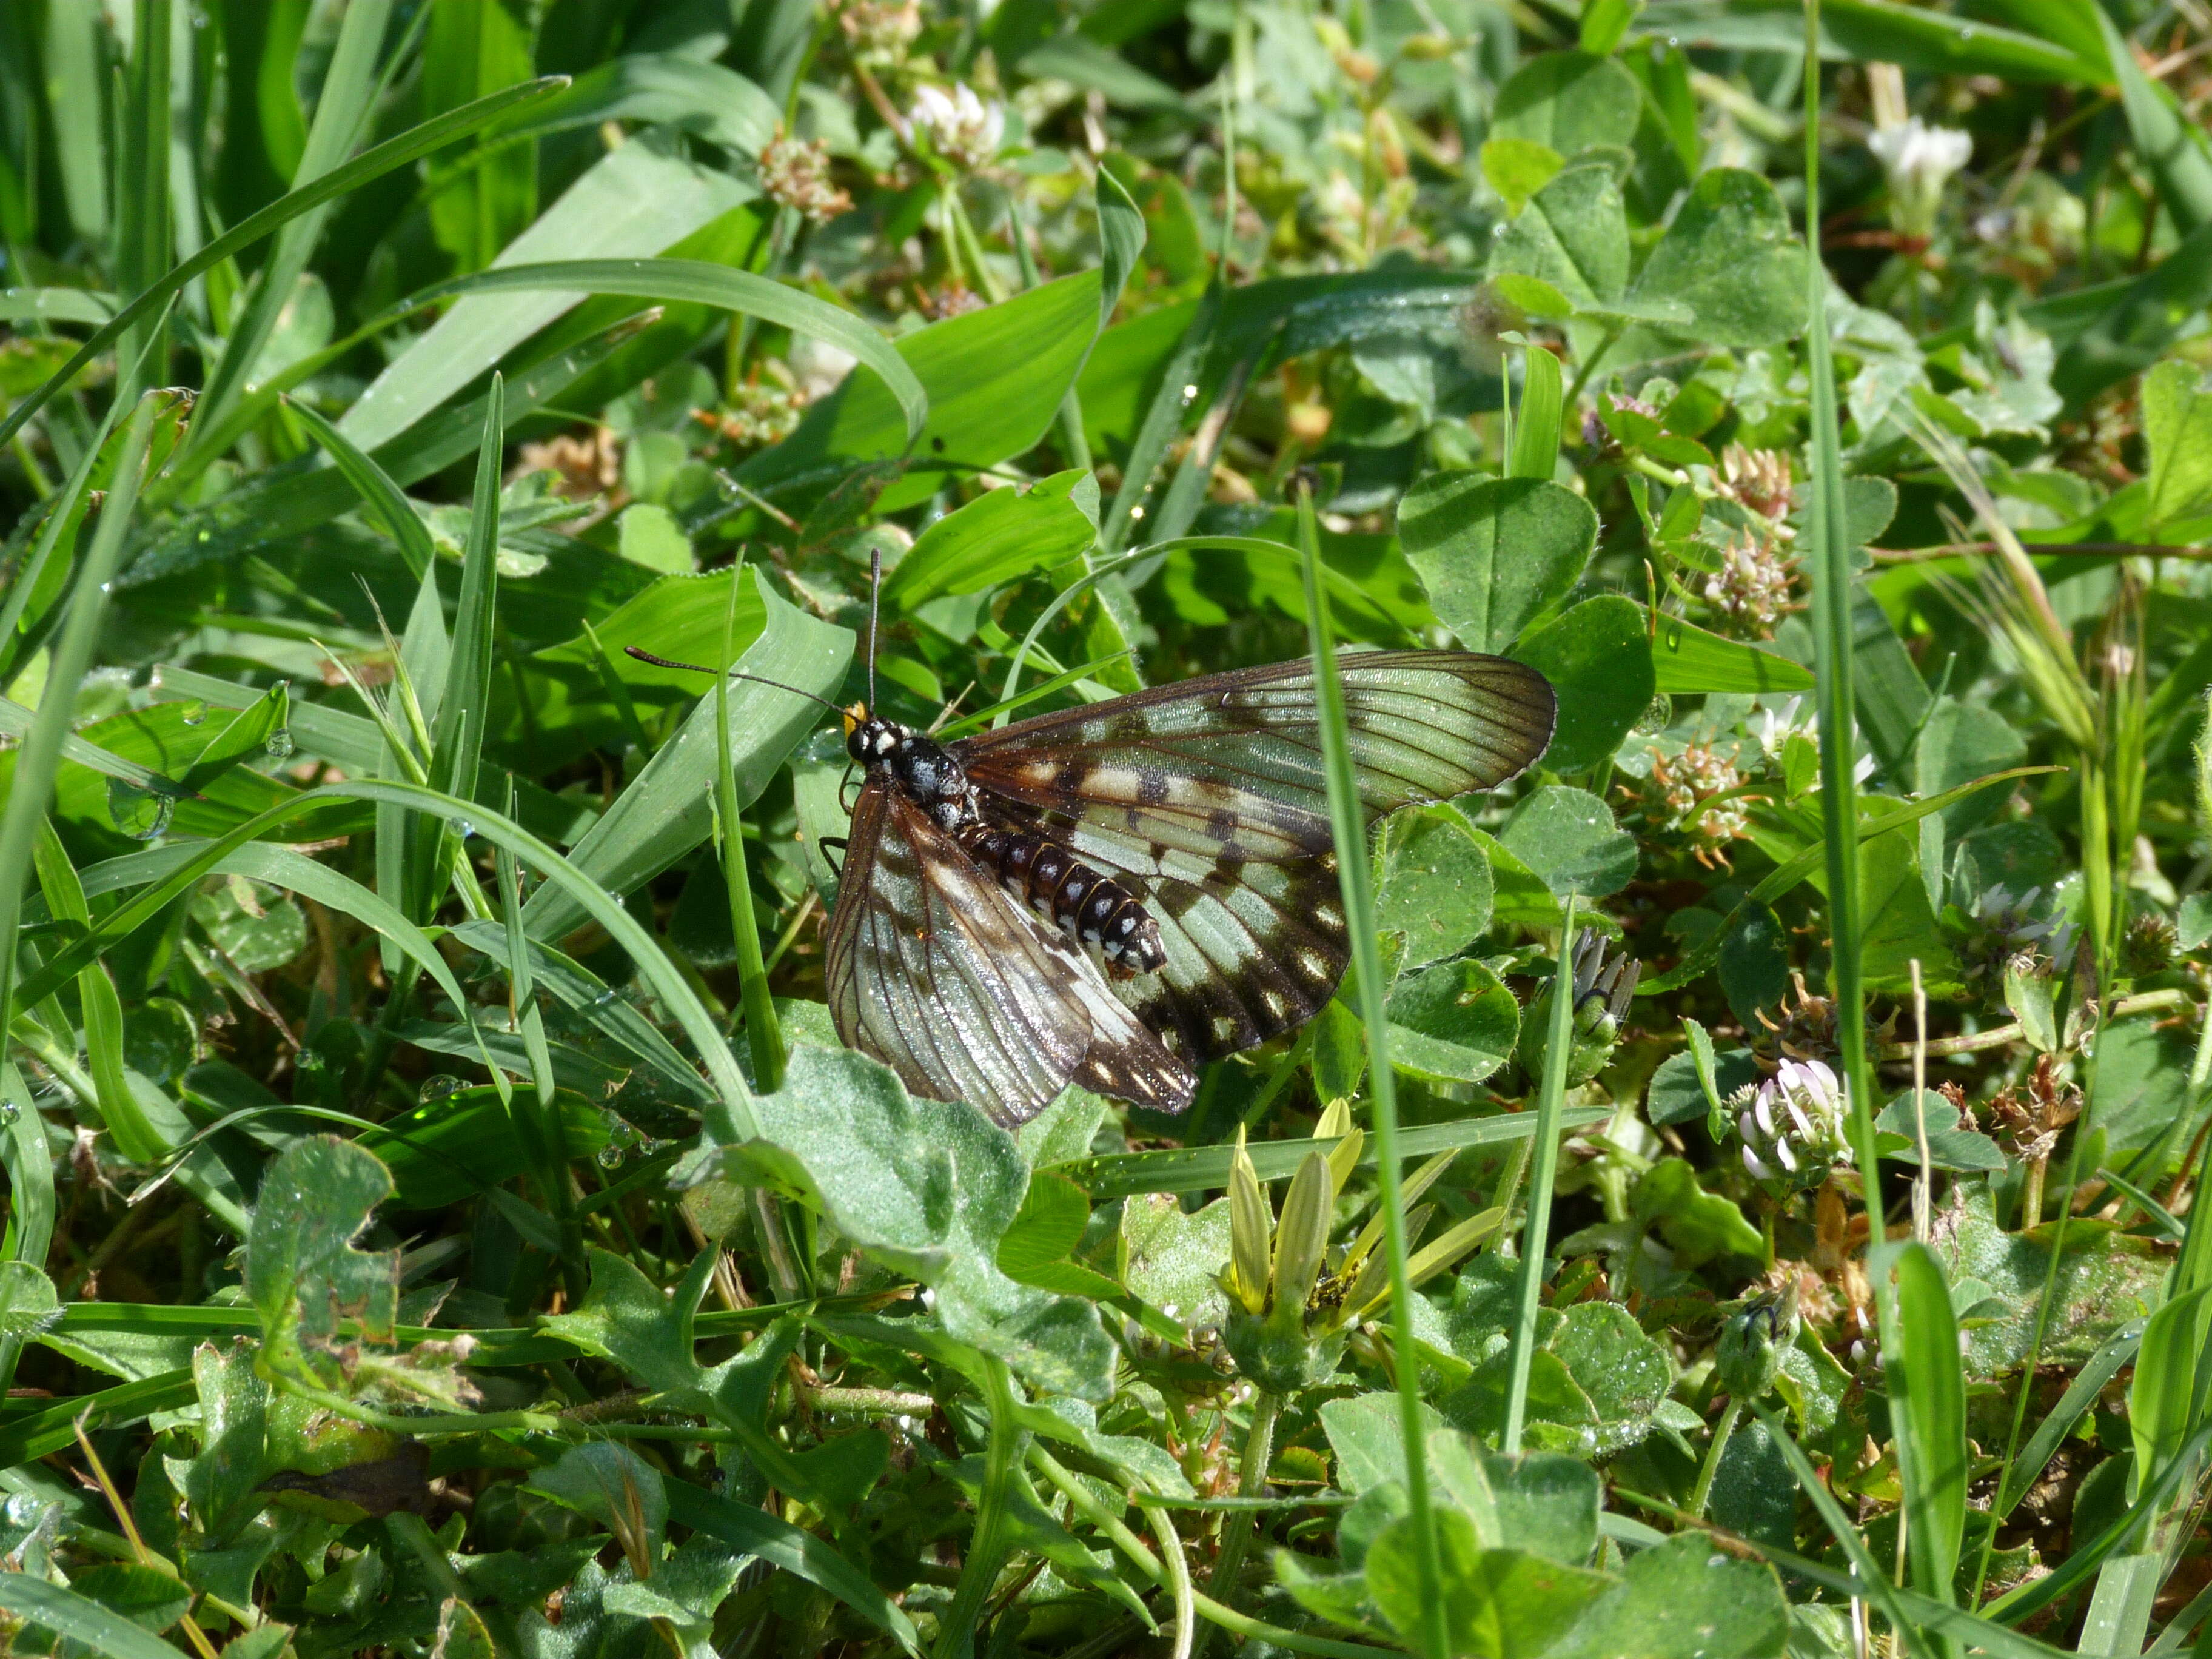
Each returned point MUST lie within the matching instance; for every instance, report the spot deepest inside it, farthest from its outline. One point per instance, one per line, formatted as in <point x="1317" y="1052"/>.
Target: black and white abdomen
<point x="1096" y="910"/>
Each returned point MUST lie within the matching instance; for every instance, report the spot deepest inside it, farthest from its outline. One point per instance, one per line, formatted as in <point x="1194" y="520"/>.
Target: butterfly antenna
<point x="875" y="596"/>
<point x="697" y="668"/>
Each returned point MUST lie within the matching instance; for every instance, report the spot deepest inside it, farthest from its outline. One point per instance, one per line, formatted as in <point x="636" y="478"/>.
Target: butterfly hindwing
<point x="1208" y="798"/>
<point x="1253" y="949"/>
<point x="933" y="969"/>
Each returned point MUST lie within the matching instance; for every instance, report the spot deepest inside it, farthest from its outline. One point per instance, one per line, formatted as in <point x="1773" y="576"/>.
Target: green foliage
<point x="440" y="1217"/>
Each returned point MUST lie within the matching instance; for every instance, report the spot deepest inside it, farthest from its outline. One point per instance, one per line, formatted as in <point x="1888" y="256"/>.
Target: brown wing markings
<point x="968" y="997"/>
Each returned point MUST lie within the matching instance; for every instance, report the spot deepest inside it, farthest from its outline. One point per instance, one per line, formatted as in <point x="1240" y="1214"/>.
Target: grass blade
<point x="1544" y="1171"/>
<point x="141" y="194"/>
<point x="409" y="146"/>
<point x="1355" y="875"/>
<point x="378" y="489"/>
<point x="698" y="283"/>
<point x="1830" y="557"/>
<point x="101" y="1010"/>
<point x="762" y="1032"/>
<point x="342" y="113"/>
<point x="1537" y="433"/>
<point x="1928" y="1408"/>
<point x="39" y="758"/>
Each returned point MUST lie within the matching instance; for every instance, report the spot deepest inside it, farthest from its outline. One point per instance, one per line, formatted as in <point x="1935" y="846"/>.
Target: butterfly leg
<point x="836" y="866"/>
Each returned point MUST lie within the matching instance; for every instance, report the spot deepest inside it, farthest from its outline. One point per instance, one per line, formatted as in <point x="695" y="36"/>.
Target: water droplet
<point x="1968" y="33"/>
<point x="141" y="814"/>
<point x="464" y="829"/>
<point x="610" y="1157"/>
<point x="1672" y="41"/>
<point x="10" y="1112"/>
<point x="605" y="998"/>
<point x="438" y="1087"/>
<point x="1188" y="392"/>
<point x="279" y="743"/>
<point x="195" y="712"/>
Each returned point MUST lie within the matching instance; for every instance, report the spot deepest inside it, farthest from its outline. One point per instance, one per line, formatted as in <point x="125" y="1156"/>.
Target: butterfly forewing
<point x="1209" y="799"/>
<point x="1231" y="764"/>
<point x="933" y="968"/>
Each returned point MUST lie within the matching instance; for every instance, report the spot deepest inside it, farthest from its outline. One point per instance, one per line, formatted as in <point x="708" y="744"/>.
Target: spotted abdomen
<point x="1094" y="909"/>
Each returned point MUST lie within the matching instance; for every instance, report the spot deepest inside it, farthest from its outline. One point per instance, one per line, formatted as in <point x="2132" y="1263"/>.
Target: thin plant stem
<point x="1179" y="1584"/>
<point x="763" y="1033"/>
<point x="1085" y="1503"/>
<point x="1723" y="1432"/>
<point x="1251" y="1477"/>
<point x="1833" y="642"/>
<point x="1356" y="879"/>
<point x="1922" y="1186"/>
<point x="1544" y="1170"/>
<point x="987" y="1544"/>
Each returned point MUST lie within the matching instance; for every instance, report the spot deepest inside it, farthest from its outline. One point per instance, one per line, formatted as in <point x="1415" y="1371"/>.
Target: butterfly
<point x="1115" y="894"/>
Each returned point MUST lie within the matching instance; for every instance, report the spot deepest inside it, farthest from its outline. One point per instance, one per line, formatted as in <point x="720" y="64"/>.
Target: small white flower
<point x="1793" y="1125"/>
<point x="1919" y="160"/>
<point x="818" y="366"/>
<point x="960" y="126"/>
<point x="1776" y="729"/>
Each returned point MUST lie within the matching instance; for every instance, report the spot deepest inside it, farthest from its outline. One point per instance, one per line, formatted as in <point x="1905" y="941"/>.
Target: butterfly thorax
<point x="1090" y="908"/>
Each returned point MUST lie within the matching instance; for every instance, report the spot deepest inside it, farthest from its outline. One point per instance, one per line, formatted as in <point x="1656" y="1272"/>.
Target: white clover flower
<point x="960" y="126"/>
<point x="1793" y="1128"/>
<point x="1919" y="160"/>
<point x="1776" y="728"/>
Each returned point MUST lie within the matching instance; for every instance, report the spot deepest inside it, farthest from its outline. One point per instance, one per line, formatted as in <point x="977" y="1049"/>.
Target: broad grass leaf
<point x="1687" y="660"/>
<point x="633" y="203"/>
<point x="1003" y="534"/>
<point x="303" y="1274"/>
<point x="1494" y="553"/>
<point x="665" y="811"/>
<point x="147" y="1596"/>
<point x="2165" y="1405"/>
<point x="676" y="616"/>
<point x="995" y="379"/>
<point x="1926" y="1381"/>
<point x="1598" y="659"/>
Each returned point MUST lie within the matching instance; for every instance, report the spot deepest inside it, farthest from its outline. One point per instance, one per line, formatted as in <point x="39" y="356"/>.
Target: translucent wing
<point x="935" y="971"/>
<point x="1208" y="798"/>
<point x="1229" y="766"/>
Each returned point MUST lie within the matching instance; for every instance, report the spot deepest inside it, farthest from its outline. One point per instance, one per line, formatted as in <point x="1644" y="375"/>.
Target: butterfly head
<point x="870" y="740"/>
